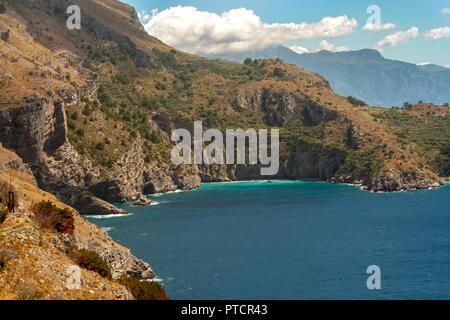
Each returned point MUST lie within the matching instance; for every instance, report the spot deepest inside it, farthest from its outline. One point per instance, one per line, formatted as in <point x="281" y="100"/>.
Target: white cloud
<point x="144" y="17"/>
<point x="398" y="38"/>
<point x="192" y="30"/>
<point x="299" y="50"/>
<point x="379" y="27"/>
<point x="438" y="33"/>
<point x="325" y="45"/>
<point x="341" y="49"/>
<point x="445" y="11"/>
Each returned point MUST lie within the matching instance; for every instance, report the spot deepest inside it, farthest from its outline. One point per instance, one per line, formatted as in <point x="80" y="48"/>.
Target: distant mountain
<point x="365" y="74"/>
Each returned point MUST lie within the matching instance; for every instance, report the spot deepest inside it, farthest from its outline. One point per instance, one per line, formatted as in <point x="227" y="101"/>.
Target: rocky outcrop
<point x="284" y="109"/>
<point x="125" y="182"/>
<point x="398" y="181"/>
<point x="281" y="106"/>
<point x="314" y="113"/>
<point x="134" y="19"/>
<point x="9" y="160"/>
<point x="120" y="259"/>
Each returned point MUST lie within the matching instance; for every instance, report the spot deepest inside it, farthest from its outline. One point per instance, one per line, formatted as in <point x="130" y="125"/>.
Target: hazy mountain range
<point x="364" y="74"/>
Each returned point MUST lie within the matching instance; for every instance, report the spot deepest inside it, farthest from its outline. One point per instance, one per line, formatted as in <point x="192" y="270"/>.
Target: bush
<point x="51" y="217"/>
<point x="356" y="102"/>
<point x="3" y="213"/>
<point x="28" y="291"/>
<point x="2" y="7"/>
<point x="277" y="72"/>
<point x="144" y="290"/>
<point x="100" y="146"/>
<point x="248" y="61"/>
<point x="91" y="260"/>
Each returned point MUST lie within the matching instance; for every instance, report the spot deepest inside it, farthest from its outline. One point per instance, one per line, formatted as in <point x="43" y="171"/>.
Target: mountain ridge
<point x="364" y="74"/>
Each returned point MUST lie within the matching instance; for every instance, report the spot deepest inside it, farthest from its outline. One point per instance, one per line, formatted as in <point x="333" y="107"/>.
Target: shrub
<point x="356" y="102"/>
<point x="2" y="7"/>
<point x="51" y="217"/>
<point x="100" y="146"/>
<point x="277" y="72"/>
<point x="74" y="116"/>
<point x="90" y="260"/>
<point x="5" y="35"/>
<point x="7" y="254"/>
<point x="28" y="291"/>
<point x="3" y="213"/>
<point x="144" y="290"/>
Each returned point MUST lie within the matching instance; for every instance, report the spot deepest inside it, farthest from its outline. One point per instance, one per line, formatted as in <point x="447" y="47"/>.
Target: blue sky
<point x="405" y="14"/>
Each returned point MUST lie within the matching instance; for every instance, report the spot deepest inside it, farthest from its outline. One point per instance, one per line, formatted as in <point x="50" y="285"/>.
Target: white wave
<point x="107" y="229"/>
<point x="168" y="192"/>
<point x="108" y="216"/>
<point x="154" y="280"/>
<point x="155" y="203"/>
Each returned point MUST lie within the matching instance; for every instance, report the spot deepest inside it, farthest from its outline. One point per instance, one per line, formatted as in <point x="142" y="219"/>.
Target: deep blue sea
<point x="292" y="240"/>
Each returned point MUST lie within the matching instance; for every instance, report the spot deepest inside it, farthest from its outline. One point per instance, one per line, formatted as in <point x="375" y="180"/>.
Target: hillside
<point x="35" y="259"/>
<point x="91" y="111"/>
<point x="365" y="74"/>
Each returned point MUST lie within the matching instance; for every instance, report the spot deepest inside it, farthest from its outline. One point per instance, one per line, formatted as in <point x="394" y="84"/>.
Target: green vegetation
<point x="3" y="213"/>
<point x="442" y="160"/>
<point x="143" y="289"/>
<point x="91" y="260"/>
<point x="429" y="132"/>
<point x="51" y="217"/>
<point x="363" y="164"/>
<point x="2" y="6"/>
<point x="356" y="102"/>
<point x="278" y="72"/>
<point x="28" y="291"/>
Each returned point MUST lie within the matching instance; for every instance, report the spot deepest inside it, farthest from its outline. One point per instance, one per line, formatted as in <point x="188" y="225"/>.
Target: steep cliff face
<point x="37" y="132"/>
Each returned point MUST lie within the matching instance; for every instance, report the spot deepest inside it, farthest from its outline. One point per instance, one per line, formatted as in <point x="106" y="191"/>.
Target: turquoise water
<point x="292" y="240"/>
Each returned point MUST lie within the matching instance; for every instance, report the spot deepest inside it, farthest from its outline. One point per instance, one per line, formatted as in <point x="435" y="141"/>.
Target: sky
<point x="416" y="31"/>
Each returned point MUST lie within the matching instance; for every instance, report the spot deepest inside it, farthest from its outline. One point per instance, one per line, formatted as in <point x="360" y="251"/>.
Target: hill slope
<point x="365" y="74"/>
<point x="35" y="260"/>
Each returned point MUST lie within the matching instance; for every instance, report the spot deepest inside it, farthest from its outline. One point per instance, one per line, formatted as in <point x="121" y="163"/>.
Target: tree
<point x="248" y="61"/>
<point x="277" y="72"/>
<point x="2" y="6"/>
<point x="356" y="102"/>
<point x="5" y="35"/>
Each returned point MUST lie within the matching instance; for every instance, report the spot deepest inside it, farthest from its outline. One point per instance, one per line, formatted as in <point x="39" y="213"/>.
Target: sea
<point x="292" y="240"/>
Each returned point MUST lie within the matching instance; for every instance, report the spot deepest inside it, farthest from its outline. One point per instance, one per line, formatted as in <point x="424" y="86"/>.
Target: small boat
<point x="269" y="181"/>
